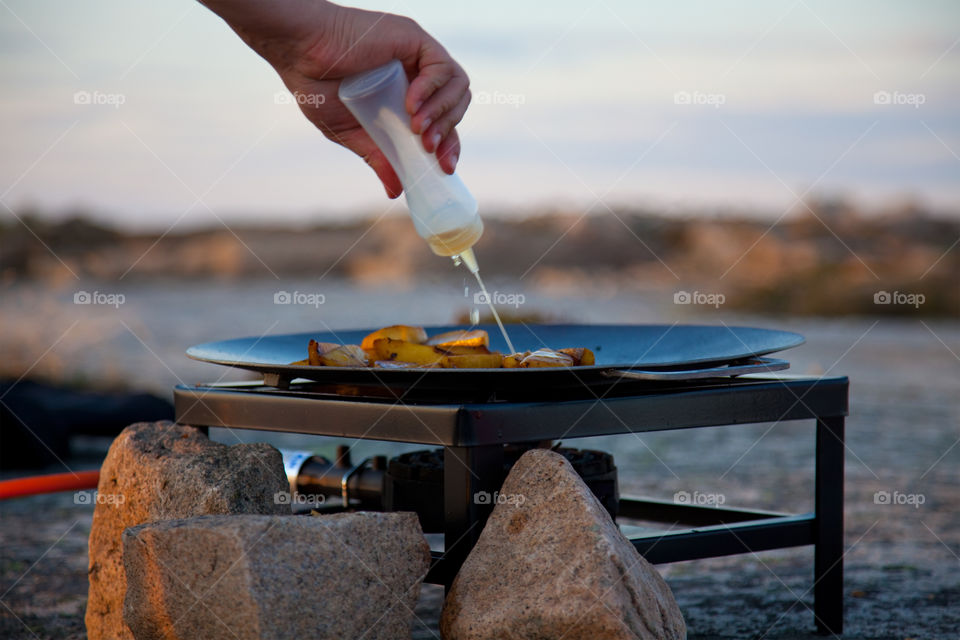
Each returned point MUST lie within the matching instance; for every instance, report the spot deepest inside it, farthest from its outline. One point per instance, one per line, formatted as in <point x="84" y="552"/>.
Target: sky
<point x="674" y="106"/>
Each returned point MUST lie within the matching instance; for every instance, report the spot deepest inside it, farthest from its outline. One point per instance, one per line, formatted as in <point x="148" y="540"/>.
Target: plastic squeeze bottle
<point x="444" y="212"/>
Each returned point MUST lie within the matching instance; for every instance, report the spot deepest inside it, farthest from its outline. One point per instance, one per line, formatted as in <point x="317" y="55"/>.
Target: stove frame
<point x="472" y="435"/>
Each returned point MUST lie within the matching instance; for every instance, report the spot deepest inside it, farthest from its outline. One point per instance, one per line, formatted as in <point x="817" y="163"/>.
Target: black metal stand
<point x="473" y="435"/>
<point x="828" y="562"/>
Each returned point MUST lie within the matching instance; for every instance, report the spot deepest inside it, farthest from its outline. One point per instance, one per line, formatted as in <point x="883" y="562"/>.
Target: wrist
<point x="278" y="30"/>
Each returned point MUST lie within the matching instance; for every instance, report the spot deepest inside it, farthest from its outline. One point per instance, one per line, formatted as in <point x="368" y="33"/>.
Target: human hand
<point x="314" y="44"/>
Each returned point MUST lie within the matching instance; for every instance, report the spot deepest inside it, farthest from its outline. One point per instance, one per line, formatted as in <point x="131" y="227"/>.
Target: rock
<point x="348" y="575"/>
<point x="159" y="471"/>
<point x="551" y="563"/>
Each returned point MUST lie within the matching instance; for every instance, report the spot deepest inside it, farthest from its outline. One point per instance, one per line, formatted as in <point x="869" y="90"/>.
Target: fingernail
<point x="417" y="105"/>
<point x="453" y="160"/>
<point x="425" y="124"/>
<point x="435" y="140"/>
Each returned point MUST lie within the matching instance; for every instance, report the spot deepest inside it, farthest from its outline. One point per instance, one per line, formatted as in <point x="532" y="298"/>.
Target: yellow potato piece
<point x="461" y="350"/>
<point x="473" y="361"/>
<point x="547" y="358"/>
<point x="388" y="349"/>
<point x="396" y="332"/>
<point x="513" y="360"/>
<point x="460" y="338"/>
<point x="348" y="355"/>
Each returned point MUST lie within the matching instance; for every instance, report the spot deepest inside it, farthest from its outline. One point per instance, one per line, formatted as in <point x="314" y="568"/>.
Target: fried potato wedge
<point x="473" y="361"/>
<point x="546" y="358"/>
<point x="348" y="355"/>
<point x="513" y="360"/>
<point x="461" y="350"/>
<point x="460" y="338"/>
<point x="397" y="332"/>
<point x="581" y="356"/>
<point x="316" y="349"/>
<point x="389" y="349"/>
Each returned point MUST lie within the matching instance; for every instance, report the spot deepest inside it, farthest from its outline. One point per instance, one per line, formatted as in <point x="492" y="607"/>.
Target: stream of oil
<point x="493" y="310"/>
<point x="486" y="296"/>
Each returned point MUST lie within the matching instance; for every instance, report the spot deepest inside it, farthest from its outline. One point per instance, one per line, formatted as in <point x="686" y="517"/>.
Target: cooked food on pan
<point x="404" y="347"/>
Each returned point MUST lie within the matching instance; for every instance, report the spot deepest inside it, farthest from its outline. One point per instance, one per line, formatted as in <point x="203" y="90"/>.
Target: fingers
<point x="434" y="68"/>
<point x="451" y="103"/>
<point x="437" y="98"/>
<point x="358" y="141"/>
<point x="448" y="153"/>
<point x="381" y="166"/>
<point x="439" y="105"/>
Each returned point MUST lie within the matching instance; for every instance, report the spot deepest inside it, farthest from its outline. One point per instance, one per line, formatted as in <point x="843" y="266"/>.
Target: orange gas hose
<point x="34" y="485"/>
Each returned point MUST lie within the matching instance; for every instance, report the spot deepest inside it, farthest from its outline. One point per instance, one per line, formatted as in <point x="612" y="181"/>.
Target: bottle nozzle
<point x="470" y="261"/>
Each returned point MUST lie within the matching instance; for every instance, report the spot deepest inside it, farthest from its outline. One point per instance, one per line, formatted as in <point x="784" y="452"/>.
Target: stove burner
<point x="414" y="481"/>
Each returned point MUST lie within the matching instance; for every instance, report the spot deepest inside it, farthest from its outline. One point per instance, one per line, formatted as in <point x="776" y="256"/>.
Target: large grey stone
<point x="550" y="563"/>
<point x="158" y="471"/>
<point x="350" y="575"/>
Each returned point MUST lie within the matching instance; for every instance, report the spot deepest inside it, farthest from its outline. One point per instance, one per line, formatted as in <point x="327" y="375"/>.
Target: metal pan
<point x="647" y="350"/>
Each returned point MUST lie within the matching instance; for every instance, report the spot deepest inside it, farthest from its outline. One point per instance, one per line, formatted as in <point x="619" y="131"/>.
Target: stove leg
<point x="828" y="562"/>
<point x="471" y="475"/>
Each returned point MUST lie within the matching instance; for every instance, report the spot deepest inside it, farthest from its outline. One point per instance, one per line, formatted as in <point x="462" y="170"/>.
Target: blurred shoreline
<point x="828" y="260"/>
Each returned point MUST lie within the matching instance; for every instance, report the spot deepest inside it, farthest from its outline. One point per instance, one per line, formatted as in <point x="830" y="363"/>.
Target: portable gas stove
<point x="647" y="378"/>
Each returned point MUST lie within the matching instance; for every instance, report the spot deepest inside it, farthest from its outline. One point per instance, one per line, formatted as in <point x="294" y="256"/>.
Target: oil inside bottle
<point x="456" y="241"/>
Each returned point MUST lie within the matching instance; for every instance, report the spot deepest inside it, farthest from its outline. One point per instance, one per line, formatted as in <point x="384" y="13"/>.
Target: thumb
<point x="391" y="182"/>
<point x="358" y="141"/>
